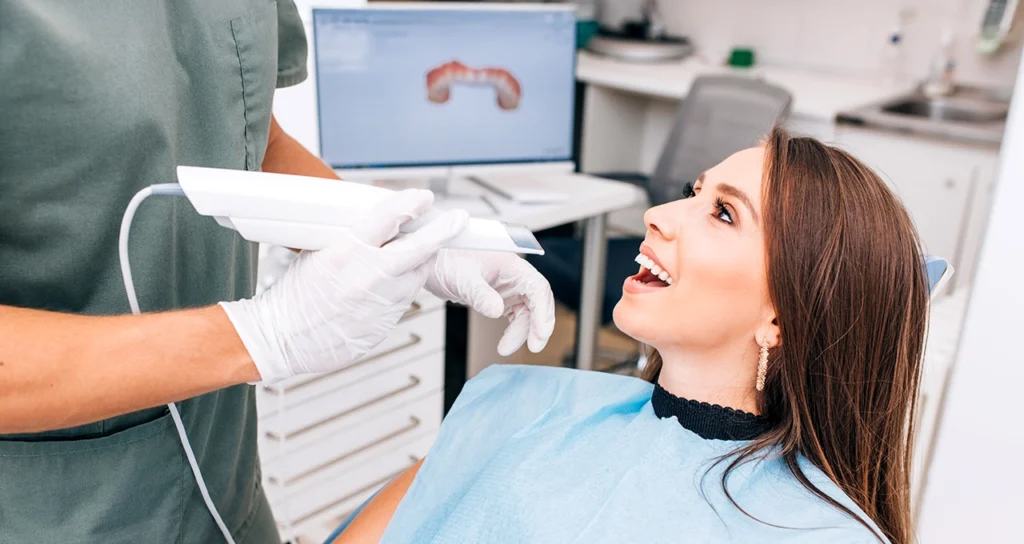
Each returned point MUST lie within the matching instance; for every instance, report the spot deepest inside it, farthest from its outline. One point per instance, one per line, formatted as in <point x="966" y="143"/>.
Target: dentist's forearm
<point x="59" y="370"/>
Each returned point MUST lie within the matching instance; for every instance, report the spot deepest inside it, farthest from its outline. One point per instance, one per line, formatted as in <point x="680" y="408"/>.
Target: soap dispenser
<point x="996" y="25"/>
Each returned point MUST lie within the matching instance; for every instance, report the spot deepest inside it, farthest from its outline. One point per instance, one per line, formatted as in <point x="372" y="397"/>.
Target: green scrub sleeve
<point x="292" y="49"/>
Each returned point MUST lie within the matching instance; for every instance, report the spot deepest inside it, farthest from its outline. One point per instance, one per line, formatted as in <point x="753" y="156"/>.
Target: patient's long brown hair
<point x="846" y="278"/>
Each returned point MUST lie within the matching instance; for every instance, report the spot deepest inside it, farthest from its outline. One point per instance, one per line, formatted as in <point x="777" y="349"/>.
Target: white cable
<point x="171" y="189"/>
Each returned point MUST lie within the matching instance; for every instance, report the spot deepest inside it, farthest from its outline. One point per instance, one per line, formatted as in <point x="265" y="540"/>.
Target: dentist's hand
<point x="497" y="284"/>
<point x="335" y="305"/>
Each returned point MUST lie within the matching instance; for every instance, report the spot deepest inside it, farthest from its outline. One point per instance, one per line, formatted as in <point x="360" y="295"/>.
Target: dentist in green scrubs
<point x="97" y="101"/>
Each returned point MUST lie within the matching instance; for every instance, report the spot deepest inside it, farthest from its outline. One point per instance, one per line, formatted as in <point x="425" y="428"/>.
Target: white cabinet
<point x="944" y="185"/>
<point x="945" y="323"/>
<point x="329" y="441"/>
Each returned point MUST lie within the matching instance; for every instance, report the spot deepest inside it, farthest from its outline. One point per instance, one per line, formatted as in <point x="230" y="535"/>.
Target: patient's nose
<point x="662" y="221"/>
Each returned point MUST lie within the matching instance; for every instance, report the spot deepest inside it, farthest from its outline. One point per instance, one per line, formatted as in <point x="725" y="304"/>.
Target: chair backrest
<point x="721" y="115"/>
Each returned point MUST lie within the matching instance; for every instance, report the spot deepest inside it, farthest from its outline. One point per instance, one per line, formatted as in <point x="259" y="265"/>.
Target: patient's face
<point x="711" y="250"/>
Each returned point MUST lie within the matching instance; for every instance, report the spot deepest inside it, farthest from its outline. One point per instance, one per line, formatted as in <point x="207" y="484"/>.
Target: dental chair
<point x="720" y="115"/>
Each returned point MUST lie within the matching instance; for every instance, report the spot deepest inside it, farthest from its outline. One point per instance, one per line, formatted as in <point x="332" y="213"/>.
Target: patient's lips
<point x="651" y="276"/>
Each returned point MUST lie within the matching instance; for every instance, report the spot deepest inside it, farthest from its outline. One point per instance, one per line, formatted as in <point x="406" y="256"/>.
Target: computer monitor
<point x="428" y="84"/>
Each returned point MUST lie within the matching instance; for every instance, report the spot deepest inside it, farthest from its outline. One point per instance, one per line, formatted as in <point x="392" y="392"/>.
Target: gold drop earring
<point x="762" y="365"/>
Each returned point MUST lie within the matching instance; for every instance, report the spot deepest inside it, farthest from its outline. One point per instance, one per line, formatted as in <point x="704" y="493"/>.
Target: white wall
<point x="842" y="35"/>
<point x="975" y="489"/>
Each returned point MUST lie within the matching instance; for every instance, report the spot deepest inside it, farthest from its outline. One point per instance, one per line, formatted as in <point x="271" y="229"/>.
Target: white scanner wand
<point x="303" y="212"/>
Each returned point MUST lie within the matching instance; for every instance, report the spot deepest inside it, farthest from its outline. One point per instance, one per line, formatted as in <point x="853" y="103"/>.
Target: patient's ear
<point x="769" y="331"/>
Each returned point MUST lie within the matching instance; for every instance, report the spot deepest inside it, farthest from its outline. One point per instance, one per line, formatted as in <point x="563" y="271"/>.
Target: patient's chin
<point x="629" y="321"/>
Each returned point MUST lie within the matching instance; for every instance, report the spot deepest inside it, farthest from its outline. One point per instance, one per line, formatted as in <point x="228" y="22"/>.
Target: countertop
<point x="816" y="95"/>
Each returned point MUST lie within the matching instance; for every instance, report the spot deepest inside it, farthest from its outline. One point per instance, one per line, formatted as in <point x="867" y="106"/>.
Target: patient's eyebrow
<point x="734" y="192"/>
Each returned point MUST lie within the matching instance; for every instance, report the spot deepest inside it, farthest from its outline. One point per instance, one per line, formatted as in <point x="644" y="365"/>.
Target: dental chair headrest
<point x="939" y="271"/>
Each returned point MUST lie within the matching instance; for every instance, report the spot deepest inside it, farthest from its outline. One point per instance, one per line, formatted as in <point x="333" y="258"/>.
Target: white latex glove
<point x="497" y="284"/>
<point x="335" y="305"/>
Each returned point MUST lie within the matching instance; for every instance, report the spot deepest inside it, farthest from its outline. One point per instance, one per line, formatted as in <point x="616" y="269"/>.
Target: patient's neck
<point x="712" y="378"/>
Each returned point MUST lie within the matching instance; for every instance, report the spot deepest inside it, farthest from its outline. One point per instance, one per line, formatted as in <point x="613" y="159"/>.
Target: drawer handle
<point x="413" y="423"/>
<point x="372" y="486"/>
<point x="414" y="309"/>
<point x="412" y="341"/>
<point x="414" y="381"/>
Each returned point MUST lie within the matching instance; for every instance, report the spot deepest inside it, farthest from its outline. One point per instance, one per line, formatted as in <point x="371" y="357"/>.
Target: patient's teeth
<point x="669" y="281"/>
<point x="663" y="276"/>
<point x="639" y="259"/>
<point x="656" y="270"/>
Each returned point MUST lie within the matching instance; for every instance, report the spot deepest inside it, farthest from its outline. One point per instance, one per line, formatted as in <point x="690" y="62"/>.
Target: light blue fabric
<point x="541" y="454"/>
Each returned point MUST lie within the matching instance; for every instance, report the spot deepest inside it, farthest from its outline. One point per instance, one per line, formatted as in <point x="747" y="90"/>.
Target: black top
<point x="709" y="421"/>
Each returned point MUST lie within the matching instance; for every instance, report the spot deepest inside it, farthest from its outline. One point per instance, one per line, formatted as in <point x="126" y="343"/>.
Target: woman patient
<point x="786" y="300"/>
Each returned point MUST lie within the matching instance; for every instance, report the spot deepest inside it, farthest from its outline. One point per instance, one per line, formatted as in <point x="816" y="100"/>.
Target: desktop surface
<point x="421" y="87"/>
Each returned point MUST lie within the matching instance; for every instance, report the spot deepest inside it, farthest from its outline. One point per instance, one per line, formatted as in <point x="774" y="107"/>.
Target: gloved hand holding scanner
<point x="335" y="305"/>
<point x="375" y="249"/>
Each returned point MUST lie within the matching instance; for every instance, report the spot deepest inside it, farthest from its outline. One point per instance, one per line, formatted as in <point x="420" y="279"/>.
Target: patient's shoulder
<point x="528" y="390"/>
<point x="782" y="495"/>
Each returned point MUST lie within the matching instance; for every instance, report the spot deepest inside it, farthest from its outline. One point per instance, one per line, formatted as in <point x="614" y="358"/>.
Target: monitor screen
<point x="426" y="86"/>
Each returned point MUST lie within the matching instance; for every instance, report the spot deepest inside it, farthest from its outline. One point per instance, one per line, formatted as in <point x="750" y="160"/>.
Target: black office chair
<point x="720" y="116"/>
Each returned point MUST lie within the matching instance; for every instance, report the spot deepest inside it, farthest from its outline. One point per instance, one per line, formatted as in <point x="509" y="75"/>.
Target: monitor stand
<point x="478" y="205"/>
<point x="440" y="185"/>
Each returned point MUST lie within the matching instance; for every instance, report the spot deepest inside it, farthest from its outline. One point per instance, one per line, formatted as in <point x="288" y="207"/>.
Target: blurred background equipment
<point x="996" y="25"/>
<point x="632" y="30"/>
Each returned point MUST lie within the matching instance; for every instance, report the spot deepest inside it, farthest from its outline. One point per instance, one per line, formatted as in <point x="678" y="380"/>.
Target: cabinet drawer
<point x="353" y="401"/>
<point x="414" y="338"/>
<point x="294" y="462"/>
<point x="333" y="496"/>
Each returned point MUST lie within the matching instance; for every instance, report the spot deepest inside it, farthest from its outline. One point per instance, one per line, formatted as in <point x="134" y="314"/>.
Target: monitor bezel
<point x="437" y="6"/>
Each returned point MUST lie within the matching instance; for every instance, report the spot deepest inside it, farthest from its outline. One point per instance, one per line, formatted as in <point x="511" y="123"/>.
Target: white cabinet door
<point x="936" y="181"/>
<point x="977" y="218"/>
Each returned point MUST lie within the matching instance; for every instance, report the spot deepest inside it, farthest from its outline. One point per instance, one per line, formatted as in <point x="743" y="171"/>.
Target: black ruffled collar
<point x="709" y="421"/>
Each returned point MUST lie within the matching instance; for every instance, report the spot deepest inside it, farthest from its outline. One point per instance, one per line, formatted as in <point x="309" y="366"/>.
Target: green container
<point x="742" y="57"/>
<point x="584" y="31"/>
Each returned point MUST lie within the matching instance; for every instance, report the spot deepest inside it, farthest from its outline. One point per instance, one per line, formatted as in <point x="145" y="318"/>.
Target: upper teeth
<point x="648" y="263"/>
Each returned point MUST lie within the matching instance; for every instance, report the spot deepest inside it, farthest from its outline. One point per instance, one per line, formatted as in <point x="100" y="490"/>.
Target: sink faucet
<point x="940" y="81"/>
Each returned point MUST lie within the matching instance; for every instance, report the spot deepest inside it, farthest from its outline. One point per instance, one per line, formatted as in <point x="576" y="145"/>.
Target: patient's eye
<point x="688" y="190"/>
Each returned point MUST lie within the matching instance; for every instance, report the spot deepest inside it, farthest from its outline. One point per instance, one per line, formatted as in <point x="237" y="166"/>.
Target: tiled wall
<point x="844" y="35"/>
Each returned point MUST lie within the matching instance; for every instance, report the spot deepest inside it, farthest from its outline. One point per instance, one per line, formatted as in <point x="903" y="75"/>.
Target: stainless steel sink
<point x="948" y="110"/>
<point x="967" y="113"/>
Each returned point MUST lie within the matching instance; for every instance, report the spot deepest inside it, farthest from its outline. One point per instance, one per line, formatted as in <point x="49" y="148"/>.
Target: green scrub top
<point x="98" y="100"/>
